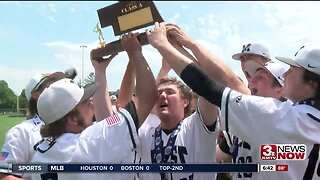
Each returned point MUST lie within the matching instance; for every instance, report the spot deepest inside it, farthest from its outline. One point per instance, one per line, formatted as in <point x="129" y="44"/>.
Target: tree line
<point x="9" y="100"/>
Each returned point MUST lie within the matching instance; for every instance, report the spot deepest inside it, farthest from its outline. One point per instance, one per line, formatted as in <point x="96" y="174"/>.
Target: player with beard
<point x="72" y="137"/>
<point x="20" y="140"/>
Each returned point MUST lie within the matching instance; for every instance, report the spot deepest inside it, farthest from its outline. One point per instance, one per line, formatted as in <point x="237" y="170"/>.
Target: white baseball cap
<point x="36" y="81"/>
<point x="306" y="57"/>
<point x="275" y="69"/>
<point x="60" y="98"/>
<point x="253" y="48"/>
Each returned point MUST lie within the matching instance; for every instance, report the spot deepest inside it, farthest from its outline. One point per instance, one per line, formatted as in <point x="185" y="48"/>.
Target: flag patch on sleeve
<point x="3" y="156"/>
<point x="113" y="120"/>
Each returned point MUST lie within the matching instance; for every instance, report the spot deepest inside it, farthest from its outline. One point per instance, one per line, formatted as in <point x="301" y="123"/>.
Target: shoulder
<point x="152" y="120"/>
<point x="194" y="117"/>
<point x="24" y="126"/>
<point x="25" y="123"/>
<point x="116" y="123"/>
<point x="307" y="112"/>
<point x="146" y="131"/>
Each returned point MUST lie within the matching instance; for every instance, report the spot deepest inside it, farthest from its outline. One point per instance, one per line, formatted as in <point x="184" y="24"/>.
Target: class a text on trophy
<point x="124" y="16"/>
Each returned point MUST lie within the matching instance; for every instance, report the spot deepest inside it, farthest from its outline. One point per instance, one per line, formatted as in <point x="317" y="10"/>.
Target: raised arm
<point x="127" y="85"/>
<point x="146" y="91"/>
<point x="101" y="99"/>
<point x="190" y="73"/>
<point x="211" y="63"/>
<point x="209" y="111"/>
<point x="157" y="38"/>
<point x="164" y="70"/>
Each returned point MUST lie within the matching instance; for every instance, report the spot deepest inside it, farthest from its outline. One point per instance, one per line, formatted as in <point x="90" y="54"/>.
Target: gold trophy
<point x="97" y="29"/>
<point x="124" y="16"/>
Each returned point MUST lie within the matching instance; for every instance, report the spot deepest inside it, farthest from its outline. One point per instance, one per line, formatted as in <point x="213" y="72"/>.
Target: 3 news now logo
<point x="283" y="151"/>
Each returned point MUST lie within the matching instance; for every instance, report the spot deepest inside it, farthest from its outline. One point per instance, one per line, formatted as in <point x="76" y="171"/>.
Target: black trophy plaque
<point x="125" y="16"/>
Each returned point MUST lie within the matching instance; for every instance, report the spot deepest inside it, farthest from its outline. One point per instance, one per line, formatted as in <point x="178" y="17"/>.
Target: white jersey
<point x="19" y="142"/>
<point x="99" y="143"/>
<point x="152" y="120"/>
<point x="194" y="144"/>
<point x="260" y="120"/>
<point x="241" y="152"/>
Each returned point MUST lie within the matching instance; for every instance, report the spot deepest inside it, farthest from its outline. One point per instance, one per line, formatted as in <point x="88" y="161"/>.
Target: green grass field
<point x="6" y="123"/>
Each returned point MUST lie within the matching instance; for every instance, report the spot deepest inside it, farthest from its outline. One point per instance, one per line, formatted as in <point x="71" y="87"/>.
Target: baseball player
<point x="178" y="139"/>
<point x="194" y="128"/>
<point x="152" y="119"/>
<point x="269" y="120"/>
<point x="252" y="52"/>
<point x="127" y="89"/>
<point x="252" y="57"/>
<point x="266" y="81"/>
<point x="20" y="140"/>
<point x="113" y="139"/>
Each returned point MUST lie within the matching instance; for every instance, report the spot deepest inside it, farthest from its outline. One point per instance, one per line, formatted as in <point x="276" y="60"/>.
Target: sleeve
<point x="202" y="84"/>
<point x="13" y="150"/>
<point x="113" y="140"/>
<point x="260" y="120"/>
<point x="13" y="144"/>
<point x="131" y="124"/>
<point x="131" y="108"/>
<point x="211" y="128"/>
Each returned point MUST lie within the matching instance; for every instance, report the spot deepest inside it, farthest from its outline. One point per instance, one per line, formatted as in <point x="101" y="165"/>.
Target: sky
<point x="42" y="37"/>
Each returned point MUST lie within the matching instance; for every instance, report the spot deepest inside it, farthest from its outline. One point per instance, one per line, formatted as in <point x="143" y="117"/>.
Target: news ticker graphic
<point x="151" y="168"/>
<point x="283" y="152"/>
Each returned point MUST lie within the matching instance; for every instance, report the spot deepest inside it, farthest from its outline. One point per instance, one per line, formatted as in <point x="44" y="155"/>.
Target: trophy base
<point x="114" y="47"/>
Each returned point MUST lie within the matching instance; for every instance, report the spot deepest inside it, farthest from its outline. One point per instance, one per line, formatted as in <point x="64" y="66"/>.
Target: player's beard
<point x="81" y="122"/>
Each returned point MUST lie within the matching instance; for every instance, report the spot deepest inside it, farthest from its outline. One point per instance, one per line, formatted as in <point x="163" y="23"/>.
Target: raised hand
<point x="102" y="64"/>
<point x="158" y="35"/>
<point x="176" y="33"/>
<point x="130" y="43"/>
<point x="101" y="100"/>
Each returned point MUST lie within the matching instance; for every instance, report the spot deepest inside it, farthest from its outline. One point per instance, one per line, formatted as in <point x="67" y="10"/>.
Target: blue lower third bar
<point x="135" y="168"/>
